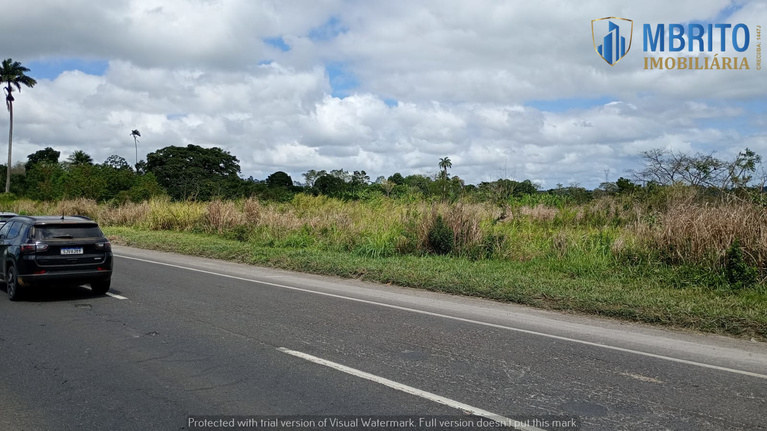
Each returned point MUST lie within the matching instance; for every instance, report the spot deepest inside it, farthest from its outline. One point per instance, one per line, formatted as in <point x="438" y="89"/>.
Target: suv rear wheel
<point x="12" y="283"/>
<point x="101" y="287"/>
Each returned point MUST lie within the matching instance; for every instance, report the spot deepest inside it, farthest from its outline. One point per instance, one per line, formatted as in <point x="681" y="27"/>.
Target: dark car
<point x="5" y="216"/>
<point x="59" y="250"/>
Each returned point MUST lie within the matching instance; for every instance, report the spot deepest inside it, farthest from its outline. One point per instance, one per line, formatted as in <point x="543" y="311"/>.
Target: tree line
<point x="203" y="174"/>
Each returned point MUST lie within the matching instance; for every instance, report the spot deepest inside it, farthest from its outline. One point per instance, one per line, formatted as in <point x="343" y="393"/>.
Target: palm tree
<point x="444" y="164"/>
<point x="136" y="134"/>
<point x="12" y="73"/>
<point x="79" y="157"/>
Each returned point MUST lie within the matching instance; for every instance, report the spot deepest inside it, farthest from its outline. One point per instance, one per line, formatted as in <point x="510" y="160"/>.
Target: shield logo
<point x="607" y="38"/>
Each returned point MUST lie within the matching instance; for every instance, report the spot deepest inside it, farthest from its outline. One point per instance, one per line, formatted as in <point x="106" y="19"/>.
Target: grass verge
<point x="555" y="284"/>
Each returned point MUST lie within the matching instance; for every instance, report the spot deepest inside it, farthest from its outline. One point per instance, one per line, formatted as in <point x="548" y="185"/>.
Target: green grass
<point x="569" y="281"/>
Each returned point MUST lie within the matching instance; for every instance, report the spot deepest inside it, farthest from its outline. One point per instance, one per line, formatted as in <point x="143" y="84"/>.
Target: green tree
<point x="194" y="172"/>
<point x="47" y="155"/>
<point x="279" y="179"/>
<point x="12" y="74"/>
<point x="79" y="157"/>
<point x="117" y="162"/>
<point x="397" y="179"/>
<point x="119" y="178"/>
<point x="44" y="181"/>
<point x="141" y="167"/>
<point x="360" y="178"/>
<point x="83" y="180"/>
<point x="625" y="186"/>
<point x="342" y="174"/>
<point x="526" y="187"/>
<point x="144" y="188"/>
<point x="330" y="185"/>
<point x="18" y="178"/>
<point x="605" y="188"/>
<point x="279" y="187"/>
<point x="420" y="183"/>
<point x="445" y="164"/>
<point x="311" y="176"/>
<point x="666" y="167"/>
<point x="740" y="170"/>
<point x="358" y="183"/>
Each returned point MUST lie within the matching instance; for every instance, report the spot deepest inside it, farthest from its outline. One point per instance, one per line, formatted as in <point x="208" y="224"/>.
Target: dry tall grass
<point x="691" y="232"/>
<point x="681" y="227"/>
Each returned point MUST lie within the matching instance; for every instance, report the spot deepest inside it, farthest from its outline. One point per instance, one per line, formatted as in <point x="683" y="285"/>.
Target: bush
<point x="239" y="233"/>
<point x="441" y="237"/>
<point x="7" y="200"/>
<point x="739" y="273"/>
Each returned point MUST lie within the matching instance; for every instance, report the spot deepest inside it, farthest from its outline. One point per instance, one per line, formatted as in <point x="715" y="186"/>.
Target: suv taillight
<point x="34" y="248"/>
<point x="106" y="246"/>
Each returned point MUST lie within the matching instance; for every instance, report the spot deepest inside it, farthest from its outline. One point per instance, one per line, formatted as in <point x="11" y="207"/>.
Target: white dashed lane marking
<point x="461" y="319"/>
<point x="516" y="424"/>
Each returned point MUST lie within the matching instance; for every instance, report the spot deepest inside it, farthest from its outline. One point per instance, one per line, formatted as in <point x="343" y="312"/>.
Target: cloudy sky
<point x="505" y="88"/>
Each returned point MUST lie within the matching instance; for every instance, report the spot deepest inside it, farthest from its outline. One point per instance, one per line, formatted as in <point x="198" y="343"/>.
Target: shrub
<point x="238" y="233"/>
<point x="441" y="237"/>
<point x="739" y="273"/>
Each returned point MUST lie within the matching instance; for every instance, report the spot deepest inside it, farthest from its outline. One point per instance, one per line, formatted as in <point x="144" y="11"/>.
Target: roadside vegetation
<point x="683" y="244"/>
<point x="674" y="257"/>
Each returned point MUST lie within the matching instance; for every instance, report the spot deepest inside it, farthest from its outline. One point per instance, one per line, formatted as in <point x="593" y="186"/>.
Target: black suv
<point x="5" y="216"/>
<point x="68" y="250"/>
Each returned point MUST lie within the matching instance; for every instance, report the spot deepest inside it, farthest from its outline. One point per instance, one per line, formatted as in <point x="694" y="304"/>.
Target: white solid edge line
<point x="116" y="296"/>
<point x="413" y="391"/>
<point x="461" y="319"/>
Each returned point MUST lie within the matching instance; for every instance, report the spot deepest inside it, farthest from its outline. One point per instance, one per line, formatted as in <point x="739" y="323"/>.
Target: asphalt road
<point x="188" y="337"/>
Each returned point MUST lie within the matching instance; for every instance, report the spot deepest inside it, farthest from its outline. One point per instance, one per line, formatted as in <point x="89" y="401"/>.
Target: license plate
<point x="72" y="250"/>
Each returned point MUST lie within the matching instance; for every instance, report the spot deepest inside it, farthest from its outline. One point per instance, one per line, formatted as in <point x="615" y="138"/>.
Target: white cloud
<point x="462" y="75"/>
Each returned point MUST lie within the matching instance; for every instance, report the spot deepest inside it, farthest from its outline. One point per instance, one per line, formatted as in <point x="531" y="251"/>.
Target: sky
<point x="504" y="88"/>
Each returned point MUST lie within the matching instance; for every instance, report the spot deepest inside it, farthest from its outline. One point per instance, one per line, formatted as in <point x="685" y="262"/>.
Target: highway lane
<point x="201" y="337"/>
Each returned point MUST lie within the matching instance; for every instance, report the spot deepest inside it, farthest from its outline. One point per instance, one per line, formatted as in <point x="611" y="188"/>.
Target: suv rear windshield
<point x="65" y="231"/>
